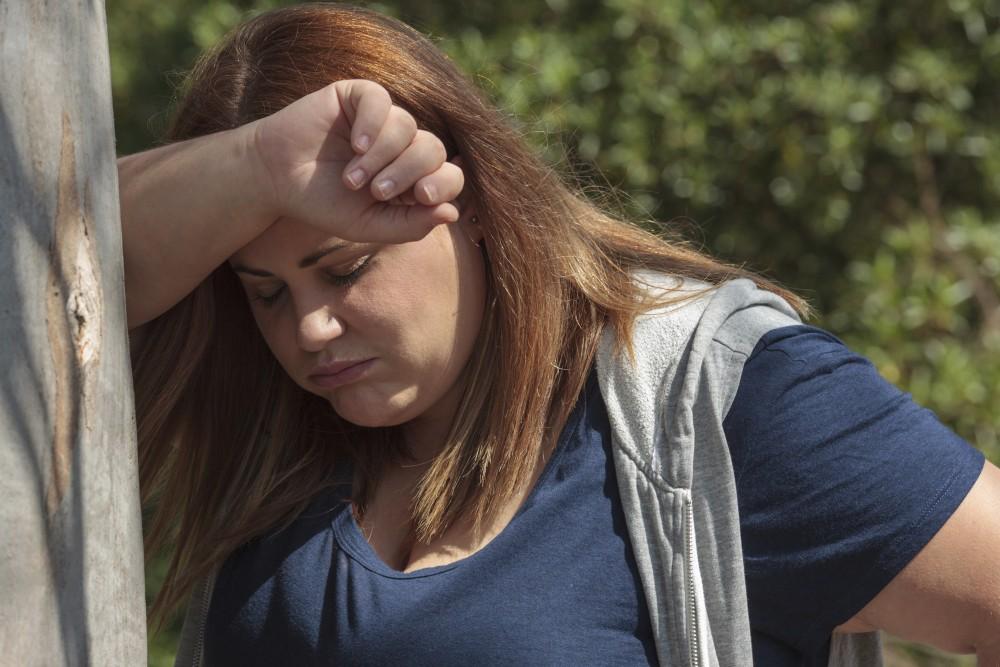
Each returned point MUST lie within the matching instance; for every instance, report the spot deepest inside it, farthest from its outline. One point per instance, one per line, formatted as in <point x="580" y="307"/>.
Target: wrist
<point x="261" y="179"/>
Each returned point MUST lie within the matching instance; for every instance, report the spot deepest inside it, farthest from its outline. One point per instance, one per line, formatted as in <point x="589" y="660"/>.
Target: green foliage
<point x="163" y="645"/>
<point x="850" y="149"/>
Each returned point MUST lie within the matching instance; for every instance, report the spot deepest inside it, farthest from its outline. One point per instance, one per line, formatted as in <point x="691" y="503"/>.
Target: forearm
<point x="185" y="208"/>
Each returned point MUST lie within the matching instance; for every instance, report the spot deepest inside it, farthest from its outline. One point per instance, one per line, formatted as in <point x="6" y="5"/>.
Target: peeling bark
<point x="71" y="566"/>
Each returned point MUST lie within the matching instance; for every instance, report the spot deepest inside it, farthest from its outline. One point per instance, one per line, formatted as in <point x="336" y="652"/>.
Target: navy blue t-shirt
<point x="841" y="479"/>
<point x="558" y="586"/>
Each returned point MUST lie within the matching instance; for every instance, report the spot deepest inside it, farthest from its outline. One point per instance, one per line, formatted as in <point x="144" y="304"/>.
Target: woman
<point x="536" y="434"/>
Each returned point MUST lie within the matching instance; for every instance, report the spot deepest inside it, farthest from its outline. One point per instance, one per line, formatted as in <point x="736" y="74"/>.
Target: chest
<point x="388" y="528"/>
<point x="557" y="584"/>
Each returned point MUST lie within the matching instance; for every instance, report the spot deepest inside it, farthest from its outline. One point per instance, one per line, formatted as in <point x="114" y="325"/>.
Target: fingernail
<point x="356" y="177"/>
<point x="363" y="143"/>
<point x="385" y="187"/>
<point x="430" y="192"/>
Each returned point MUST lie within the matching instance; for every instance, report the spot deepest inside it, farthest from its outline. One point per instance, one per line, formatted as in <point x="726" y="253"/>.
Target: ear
<point x="464" y="200"/>
<point x="467" y="207"/>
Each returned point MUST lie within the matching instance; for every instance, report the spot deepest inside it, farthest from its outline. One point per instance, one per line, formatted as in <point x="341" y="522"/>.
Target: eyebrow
<point x="304" y="263"/>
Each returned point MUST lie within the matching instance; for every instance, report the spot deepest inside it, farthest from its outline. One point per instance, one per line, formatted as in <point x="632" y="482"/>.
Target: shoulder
<point x="735" y="313"/>
<point x="841" y="477"/>
<point x="694" y="334"/>
<point x="684" y="359"/>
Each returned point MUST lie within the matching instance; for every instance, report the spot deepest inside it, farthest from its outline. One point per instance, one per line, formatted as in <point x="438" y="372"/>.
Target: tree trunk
<point x="71" y="568"/>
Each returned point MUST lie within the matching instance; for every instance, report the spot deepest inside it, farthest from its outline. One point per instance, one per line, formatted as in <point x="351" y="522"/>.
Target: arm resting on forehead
<point x="185" y="208"/>
<point x="188" y="206"/>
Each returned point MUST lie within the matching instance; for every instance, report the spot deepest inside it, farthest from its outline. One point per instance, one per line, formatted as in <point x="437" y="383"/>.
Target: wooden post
<point x="71" y="568"/>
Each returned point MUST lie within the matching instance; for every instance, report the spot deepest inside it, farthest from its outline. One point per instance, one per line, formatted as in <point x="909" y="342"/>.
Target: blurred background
<point x="849" y="150"/>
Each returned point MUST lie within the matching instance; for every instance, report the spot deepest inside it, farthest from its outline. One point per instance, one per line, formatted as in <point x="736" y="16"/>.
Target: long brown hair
<point x="230" y="448"/>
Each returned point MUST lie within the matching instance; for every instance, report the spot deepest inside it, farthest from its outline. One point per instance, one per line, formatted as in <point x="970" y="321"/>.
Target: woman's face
<point x="382" y="332"/>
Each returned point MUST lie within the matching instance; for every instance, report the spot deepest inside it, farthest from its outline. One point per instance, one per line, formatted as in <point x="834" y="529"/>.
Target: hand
<point x="317" y="154"/>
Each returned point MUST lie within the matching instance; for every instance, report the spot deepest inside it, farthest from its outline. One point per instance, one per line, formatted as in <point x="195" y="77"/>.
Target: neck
<point x="425" y="435"/>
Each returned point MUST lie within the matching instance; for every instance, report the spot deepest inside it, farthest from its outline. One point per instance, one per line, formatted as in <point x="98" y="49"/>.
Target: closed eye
<point x="268" y="299"/>
<point x="338" y="279"/>
<point x="349" y="278"/>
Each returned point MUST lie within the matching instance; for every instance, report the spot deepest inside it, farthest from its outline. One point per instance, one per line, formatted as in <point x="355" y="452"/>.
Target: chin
<point x="379" y="414"/>
<point x="369" y="421"/>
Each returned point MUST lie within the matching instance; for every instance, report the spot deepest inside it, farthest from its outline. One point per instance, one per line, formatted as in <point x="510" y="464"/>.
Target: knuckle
<point x="454" y="176"/>
<point x="376" y="92"/>
<point x="405" y="121"/>
<point x="331" y="94"/>
<point x="432" y="144"/>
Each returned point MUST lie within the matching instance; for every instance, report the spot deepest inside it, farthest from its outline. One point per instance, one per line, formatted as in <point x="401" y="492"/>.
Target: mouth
<point x="340" y="373"/>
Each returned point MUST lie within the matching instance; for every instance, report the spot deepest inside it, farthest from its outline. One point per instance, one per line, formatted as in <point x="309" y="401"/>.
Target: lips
<point x="336" y="367"/>
<point x="340" y="373"/>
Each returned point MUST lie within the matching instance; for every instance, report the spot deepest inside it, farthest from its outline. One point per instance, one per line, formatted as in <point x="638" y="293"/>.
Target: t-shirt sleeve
<point x="841" y="480"/>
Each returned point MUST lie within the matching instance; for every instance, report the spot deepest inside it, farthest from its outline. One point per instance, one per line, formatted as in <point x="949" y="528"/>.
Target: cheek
<point x="279" y="338"/>
<point x="430" y="306"/>
<point x="447" y="327"/>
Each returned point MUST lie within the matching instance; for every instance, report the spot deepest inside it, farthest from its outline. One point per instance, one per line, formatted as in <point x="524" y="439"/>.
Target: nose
<point x="317" y="328"/>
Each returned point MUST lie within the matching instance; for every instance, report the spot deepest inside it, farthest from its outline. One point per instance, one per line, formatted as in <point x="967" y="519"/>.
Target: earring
<point x="474" y="220"/>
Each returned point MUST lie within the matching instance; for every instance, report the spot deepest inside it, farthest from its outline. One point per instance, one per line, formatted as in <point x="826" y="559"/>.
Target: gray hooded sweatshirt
<point x="666" y="405"/>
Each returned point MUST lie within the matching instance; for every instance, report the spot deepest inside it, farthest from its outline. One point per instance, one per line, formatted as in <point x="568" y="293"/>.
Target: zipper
<point x="199" y="645"/>
<point x="692" y="599"/>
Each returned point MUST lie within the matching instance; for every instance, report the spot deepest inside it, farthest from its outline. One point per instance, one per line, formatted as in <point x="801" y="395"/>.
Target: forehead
<point x="286" y="241"/>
